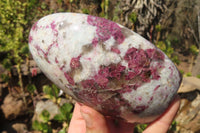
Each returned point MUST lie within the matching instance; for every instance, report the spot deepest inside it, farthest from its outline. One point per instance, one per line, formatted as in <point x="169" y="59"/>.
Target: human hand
<point x="88" y="120"/>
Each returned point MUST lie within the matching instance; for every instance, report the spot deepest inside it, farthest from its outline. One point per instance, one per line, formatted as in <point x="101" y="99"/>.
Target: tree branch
<point x="193" y="33"/>
<point x="199" y="26"/>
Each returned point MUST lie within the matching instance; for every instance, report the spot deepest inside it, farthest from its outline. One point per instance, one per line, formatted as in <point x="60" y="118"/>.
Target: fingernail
<point x="88" y="119"/>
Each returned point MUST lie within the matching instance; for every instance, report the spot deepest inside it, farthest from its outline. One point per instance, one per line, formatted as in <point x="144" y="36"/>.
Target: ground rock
<point x="188" y="117"/>
<point x="189" y="84"/>
<point x="20" y="127"/>
<point x="49" y="106"/>
<point x="12" y="107"/>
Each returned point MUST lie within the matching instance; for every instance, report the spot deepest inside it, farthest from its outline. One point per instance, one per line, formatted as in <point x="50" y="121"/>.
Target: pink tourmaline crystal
<point x="104" y="65"/>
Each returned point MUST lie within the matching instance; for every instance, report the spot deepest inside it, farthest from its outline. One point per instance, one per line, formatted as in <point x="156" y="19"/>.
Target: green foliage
<point x="24" y="50"/>
<point x="64" y="117"/>
<point x="85" y="11"/>
<point x="167" y="48"/>
<point x="140" y="128"/>
<point x="198" y="76"/>
<point x="104" y="7"/>
<point x="12" y="30"/>
<point x="44" y="116"/>
<point x="172" y="127"/>
<point x="7" y="63"/>
<point x="40" y="126"/>
<point x="16" y="18"/>
<point x="175" y="59"/>
<point x="5" y="77"/>
<point x="31" y="88"/>
<point x="65" y="113"/>
<point x="117" y="12"/>
<point x="133" y="17"/>
<point x="189" y="74"/>
<point x="62" y="131"/>
<point x="194" y="50"/>
<point x="158" y="28"/>
<point x="181" y="71"/>
<point x="43" y="5"/>
<point x="52" y="92"/>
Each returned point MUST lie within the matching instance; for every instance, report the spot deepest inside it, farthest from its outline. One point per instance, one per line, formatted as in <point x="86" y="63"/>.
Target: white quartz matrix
<point x="104" y="65"/>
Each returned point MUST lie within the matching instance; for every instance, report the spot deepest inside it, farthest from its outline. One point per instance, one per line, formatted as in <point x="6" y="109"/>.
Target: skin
<point x="87" y="120"/>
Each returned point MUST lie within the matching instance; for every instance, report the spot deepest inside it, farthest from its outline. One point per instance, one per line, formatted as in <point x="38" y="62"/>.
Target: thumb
<point x="95" y="122"/>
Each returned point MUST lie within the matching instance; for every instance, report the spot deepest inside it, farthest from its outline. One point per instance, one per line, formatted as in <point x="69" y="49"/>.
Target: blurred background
<point x="30" y="103"/>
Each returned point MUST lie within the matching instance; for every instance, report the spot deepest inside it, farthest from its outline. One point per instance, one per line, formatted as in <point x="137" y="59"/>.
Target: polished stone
<point x="104" y="65"/>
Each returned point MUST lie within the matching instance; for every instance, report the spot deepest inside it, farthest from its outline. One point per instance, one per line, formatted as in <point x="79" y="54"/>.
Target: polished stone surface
<point x="104" y="65"/>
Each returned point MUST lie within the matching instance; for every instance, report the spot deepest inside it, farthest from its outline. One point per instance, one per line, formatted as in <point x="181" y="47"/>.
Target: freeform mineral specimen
<point x="104" y="65"/>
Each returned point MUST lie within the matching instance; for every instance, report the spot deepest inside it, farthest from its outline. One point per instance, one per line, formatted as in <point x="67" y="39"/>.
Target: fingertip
<point x="95" y="122"/>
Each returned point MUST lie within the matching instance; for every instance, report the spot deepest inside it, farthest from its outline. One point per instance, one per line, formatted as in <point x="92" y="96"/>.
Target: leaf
<point x="39" y="126"/>
<point x="45" y="115"/>
<point x="43" y="6"/>
<point x="66" y="108"/>
<point x="59" y="117"/>
<point x="189" y="74"/>
<point x="36" y="125"/>
<point x="194" y="50"/>
<point x="47" y="89"/>
<point x="31" y="88"/>
<point x="65" y="113"/>
<point x="70" y="116"/>
<point x="45" y="128"/>
<point x="158" y="27"/>
<point x="133" y="17"/>
<point x="62" y="131"/>
<point x="140" y="128"/>
<point x="5" y="77"/>
<point x="85" y="11"/>
<point x="172" y="127"/>
<point x="7" y="64"/>
<point x="24" y="50"/>
<point x="55" y="90"/>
